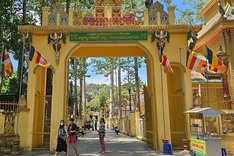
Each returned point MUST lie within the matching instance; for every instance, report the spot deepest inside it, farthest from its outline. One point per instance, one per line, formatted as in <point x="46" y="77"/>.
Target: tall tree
<point x="137" y="83"/>
<point x="191" y="15"/>
<point x="106" y="67"/>
<point x="119" y="89"/>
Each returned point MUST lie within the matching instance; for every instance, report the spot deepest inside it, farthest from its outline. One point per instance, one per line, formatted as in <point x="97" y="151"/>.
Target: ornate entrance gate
<point x="107" y="32"/>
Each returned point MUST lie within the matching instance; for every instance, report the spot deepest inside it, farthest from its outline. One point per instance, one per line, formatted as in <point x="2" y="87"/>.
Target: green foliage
<point x="136" y="5"/>
<point x="127" y="65"/>
<point x="13" y="14"/>
<point x="103" y="66"/>
<point x="192" y="15"/>
<point x="167" y="2"/>
<point x="97" y="95"/>
<point x="102" y="101"/>
<point x="10" y="85"/>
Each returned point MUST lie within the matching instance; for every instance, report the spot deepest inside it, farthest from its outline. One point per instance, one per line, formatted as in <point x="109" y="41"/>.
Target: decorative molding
<point x="66" y="29"/>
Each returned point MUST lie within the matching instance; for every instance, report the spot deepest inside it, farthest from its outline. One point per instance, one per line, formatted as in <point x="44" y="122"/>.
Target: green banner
<point x="108" y="36"/>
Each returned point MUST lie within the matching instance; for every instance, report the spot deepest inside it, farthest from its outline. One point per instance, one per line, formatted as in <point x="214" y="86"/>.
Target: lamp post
<point x="223" y="56"/>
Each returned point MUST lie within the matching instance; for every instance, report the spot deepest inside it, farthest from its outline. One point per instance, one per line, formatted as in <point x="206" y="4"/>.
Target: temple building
<point x="151" y="33"/>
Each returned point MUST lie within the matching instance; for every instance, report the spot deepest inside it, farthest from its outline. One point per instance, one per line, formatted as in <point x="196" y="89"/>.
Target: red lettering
<point x="115" y="21"/>
<point x="133" y="20"/>
<point x="92" y="21"/>
<point x="101" y="21"/>
<point x="110" y="21"/>
<point x="105" y="21"/>
<point x="121" y="21"/>
<point x="128" y="21"/>
<point x="85" y="21"/>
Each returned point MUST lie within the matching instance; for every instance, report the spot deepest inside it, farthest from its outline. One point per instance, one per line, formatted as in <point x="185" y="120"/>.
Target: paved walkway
<point x="116" y="145"/>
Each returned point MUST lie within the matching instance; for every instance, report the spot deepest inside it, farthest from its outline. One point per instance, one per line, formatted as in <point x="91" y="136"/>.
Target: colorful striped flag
<point x="165" y="62"/>
<point x="217" y="68"/>
<point x="216" y="64"/>
<point x="6" y="61"/>
<point x="36" y="57"/>
<point x="212" y="58"/>
<point x="195" y="64"/>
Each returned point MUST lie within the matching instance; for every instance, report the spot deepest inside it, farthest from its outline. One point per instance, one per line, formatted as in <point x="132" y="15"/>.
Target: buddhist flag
<point x="165" y="62"/>
<point x="6" y="61"/>
<point x="217" y="68"/>
<point x="195" y="64"/>
<point x="216" y="64"/>
<point x="212" y="58"/>
<point x="36" y="57"/>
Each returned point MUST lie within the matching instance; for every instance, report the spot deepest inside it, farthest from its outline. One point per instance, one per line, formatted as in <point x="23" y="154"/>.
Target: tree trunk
<point x="24" y="12"/>
<point x="137" y="83"/>
<point x="1" y="70"/>
<point x="75" y="89"/>
<point x="80" y="103"/>
<point x="119" y="89"/>
<point x="67" y="6"/>
<point x="111" y="92"/>
<point x="84" y="93"/>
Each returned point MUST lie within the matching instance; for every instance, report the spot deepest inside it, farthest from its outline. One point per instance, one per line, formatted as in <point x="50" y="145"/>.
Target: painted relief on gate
<point x="157" y="8"/>
<point x="108" y="12"/>
<point x="58" y="8"/>
<point x="9" y="124"/>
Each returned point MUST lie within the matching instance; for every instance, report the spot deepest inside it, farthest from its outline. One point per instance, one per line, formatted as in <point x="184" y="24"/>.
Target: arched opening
<point x="42" y="111"/>
<point x="177" y="106"/>
<point x="126" y="50"/>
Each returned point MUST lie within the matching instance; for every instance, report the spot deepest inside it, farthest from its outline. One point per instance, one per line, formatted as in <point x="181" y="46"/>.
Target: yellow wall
<point x="36" y="85"/>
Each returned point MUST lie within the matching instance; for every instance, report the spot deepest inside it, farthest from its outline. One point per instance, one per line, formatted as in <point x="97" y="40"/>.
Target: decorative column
<point x="223" y="56"/>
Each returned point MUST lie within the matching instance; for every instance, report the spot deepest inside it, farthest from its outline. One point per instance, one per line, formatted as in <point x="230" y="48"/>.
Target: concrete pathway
<point x="116" y="145"/>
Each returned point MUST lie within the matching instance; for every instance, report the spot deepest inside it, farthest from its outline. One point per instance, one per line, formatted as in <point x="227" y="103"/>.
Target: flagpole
<point x="207" y="77"/>
<point x="20" y="87"/>
<point x="164" y="124"/>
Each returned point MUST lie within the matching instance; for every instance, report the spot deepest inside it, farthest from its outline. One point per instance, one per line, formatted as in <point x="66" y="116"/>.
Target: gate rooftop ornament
<point x="107" y="18"/>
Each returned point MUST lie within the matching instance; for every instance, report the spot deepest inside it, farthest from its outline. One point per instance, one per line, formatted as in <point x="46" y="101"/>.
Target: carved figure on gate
<point x="27" y="40"/>
<point x="161" y="37"/>
<point x="53" y="36"/>
<point x="192" y="39"/>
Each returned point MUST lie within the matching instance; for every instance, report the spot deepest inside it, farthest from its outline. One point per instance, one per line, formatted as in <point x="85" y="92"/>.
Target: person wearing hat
<point x="72" y="133"/>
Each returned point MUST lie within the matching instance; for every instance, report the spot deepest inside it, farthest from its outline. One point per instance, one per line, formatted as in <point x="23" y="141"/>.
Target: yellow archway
<point x="139" y="44"/>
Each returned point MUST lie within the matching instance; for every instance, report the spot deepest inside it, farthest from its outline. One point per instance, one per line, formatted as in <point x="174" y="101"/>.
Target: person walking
<point x="72" y="134"/>
<point x="61" y="139"/>
<point x="101" y="133"/>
